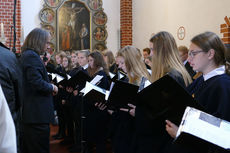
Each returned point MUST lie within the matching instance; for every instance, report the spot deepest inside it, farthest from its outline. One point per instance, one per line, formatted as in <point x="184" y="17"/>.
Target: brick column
<point x="126" y="22"/>
<point x="6" y="17"/>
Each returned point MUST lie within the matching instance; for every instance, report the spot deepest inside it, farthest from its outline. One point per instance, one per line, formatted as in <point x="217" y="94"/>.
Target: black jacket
<point x="37" y="99"/>
<point x="10" y="79"/>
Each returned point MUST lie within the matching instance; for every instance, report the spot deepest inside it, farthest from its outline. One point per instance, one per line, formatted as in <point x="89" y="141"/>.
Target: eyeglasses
<point x="194" y="53"/>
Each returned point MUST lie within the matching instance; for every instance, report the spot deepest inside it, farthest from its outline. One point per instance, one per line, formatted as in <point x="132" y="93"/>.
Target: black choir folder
<point x="165" y="99"/>
<point x="79" y="78"/>
<point x="67" y="81"/>
<point x="119" y="95"/>
<point x="202" y="132"/>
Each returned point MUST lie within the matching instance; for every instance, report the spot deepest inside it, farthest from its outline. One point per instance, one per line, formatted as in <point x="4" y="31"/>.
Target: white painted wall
<point x="30" y="14"/>
<point x="152" y="16"/>
<point x="30" y="19"/>
<point x="112" y="9"/>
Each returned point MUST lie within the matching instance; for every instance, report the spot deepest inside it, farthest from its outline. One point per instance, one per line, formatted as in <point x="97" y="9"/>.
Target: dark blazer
<point x="37" y="100"/>
<point x="10" y="79"/>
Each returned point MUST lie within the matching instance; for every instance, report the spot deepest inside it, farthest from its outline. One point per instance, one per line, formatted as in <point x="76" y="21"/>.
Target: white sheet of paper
<point x="59" y="78"/>
<point x="90" y="86"/>
<point x="111" y="75"/>
<point x="95" y="80"/>
<point x="53" y="75"/>
<point x="212" y="129"/>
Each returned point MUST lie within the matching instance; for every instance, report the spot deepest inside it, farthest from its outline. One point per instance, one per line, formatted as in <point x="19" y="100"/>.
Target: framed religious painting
<point x="95" y="4"/>
<point x="100" y="18"/>
<point x="100" y="34"/>
<point x="50" y="29"/>
<point x="73" y="26"/>
<point x="99" y="46"/>
<point x="53" y="3"/>
<point x="47" y="15"/>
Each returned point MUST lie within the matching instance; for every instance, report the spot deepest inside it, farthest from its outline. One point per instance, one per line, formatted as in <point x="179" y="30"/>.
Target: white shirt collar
<point x="185" y="62"/>
<point x="218" y="71"/>
<point x="85" y="67"/>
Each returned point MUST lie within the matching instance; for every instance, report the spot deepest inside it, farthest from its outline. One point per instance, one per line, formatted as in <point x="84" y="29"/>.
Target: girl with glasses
<point x="208" y="55"/>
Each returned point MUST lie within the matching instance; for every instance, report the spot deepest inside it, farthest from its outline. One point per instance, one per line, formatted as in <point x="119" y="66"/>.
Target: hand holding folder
<point x="119" y="95"/>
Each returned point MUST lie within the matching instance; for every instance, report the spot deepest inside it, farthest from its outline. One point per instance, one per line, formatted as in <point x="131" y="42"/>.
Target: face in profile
<point x="91" y="62"/>
<point x="151" y="48"/>
<point x="121" y="63"/>
<point x="197" y="58"/>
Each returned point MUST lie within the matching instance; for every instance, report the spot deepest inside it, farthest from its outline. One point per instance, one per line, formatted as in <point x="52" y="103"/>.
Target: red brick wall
<point x="225" y="30"/>
<point x="126" y="22"/>
<point x="6" y="17"/>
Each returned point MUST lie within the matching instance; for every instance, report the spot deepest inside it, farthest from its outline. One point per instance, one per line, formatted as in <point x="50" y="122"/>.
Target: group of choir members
<point x="130" y="129"/>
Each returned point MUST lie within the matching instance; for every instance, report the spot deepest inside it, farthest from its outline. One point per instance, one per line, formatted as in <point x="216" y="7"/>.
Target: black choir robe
<point x="96" y="122"/>
<point x="151" y="134"/>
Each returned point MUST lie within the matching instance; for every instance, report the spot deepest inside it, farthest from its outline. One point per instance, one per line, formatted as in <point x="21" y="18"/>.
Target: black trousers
<point x="36" y="138"/>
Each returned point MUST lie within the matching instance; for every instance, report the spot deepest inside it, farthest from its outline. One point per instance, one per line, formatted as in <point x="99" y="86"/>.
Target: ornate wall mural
<point x="74" y="24"/>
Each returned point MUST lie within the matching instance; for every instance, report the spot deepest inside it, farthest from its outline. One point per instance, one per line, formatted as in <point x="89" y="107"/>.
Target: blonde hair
<point x="166" y="57"/>
<point x="135" y="66"/>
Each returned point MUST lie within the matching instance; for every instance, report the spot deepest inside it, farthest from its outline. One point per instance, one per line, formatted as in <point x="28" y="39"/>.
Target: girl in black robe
<point x="208" y="55"/>
<point x="96" y="121"/>
<point x="151" y="134"/>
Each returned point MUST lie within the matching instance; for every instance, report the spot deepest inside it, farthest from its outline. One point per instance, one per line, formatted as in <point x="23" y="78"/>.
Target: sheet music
<point x="147" y="83"/>
<point x="59" y="78"/>
<point x="53" y="76"/>
<point x="68" y="76"/>
<point x="95" y="80"/>
<point x="89" y="86"/>
<point x="144" y="83"/>
<point x="205" y="126"/>
<point x="111" y="75"/>
<point x="108" y="92"/>
<point x="121" y="76"/>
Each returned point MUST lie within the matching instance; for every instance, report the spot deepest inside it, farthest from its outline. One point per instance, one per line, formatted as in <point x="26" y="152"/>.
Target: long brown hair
<point x="209" y="40"/>
<point x="98" y="63"/>
<point x="135" y="66"/>
<point x="110" y="57"/>
<point x="166" y="57"/>
<point x="36" y="40"/>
